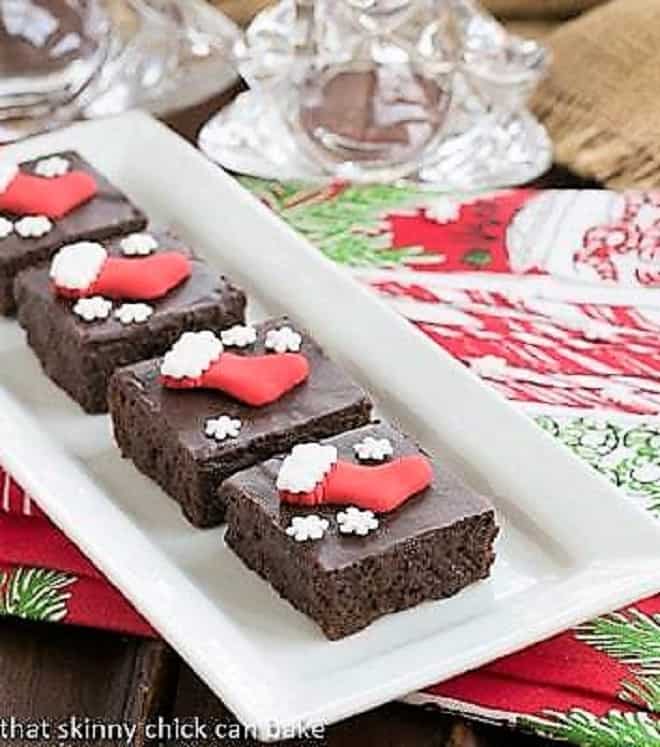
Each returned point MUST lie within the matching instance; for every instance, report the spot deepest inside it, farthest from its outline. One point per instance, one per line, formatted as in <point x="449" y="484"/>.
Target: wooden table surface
<point x="52" y="672"/>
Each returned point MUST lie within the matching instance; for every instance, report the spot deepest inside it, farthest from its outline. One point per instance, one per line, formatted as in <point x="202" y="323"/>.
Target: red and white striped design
<point x="15" y="500"/>
<point x="557" y="353"/>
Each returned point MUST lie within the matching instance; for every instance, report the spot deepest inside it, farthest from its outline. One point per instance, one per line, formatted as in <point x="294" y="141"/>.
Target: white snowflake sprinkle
<point x="191" y="355"/>
<point x="52" y="167"/>
<point x="443" y="210"/>
<point x="8" y="172"/>
<point x="223" y="427"/>
<point x="354" y="521"/>
<point x="33" y="226"/>
<point x="374" y="449"/>
<point x="490" y="367"/>
<point x="305" y="467"/>
<point x="310" y="527"/>
<point x="283" y="340"/>
<point x="92" y="309"/>
<point x="6" y="228"/>
<point x="134" y="313"/>
<point x="138" y="245"/>
<point x="239" y="336"/>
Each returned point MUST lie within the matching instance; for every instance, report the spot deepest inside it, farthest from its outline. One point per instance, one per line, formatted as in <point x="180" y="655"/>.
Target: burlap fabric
<point x="600" y="101"/>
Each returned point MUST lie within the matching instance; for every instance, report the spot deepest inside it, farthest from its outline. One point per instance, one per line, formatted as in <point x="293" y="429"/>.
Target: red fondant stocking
<point x="256" y="380"/>
<point x="137" y="279"/>
<point x="144" y="278"/>
<point x="28" y="194"/>
<point x="380" y="489"/>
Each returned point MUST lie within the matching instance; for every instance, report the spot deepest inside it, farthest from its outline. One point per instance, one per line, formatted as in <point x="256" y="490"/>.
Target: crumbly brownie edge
<point x="7" y="302"/>
<point x="342" y="602"/>
<point x="156" y="454"/>
<point x="60" y="356"/>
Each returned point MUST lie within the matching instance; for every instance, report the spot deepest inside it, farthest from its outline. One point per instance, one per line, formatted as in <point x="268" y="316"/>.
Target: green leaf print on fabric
<point x="580" y="727"/>
<point x="342" y="220"/>
<point x="35" y="594"/>
<point x="632" y="638"/>
<point x="629" y="455"/>
<point x="478" y="258"/>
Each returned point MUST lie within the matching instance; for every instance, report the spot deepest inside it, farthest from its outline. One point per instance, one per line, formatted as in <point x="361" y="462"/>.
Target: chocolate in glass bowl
<point x="379" y="114"/>
<point x="49" y="51"/>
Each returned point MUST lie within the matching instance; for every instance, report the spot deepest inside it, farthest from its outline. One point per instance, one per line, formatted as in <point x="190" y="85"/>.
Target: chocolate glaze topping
<point x="445" y="502"/>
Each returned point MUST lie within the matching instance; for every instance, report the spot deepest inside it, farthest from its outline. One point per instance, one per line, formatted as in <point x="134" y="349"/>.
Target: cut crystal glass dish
<point x="381" y="89"/>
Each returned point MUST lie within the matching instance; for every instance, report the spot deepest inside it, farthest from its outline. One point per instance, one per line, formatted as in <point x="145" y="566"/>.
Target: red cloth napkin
<point x="44" y="576"/>
<point x="552" y="297"/>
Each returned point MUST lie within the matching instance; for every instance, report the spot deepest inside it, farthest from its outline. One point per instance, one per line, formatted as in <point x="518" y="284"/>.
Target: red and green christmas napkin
<point x="553" y="297"/>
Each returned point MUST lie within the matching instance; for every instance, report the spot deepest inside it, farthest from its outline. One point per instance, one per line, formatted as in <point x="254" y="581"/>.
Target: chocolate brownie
<point x="433" y="545"/>
<point x="80" y="356"/>
<point x="107" y="213"/>
<point x="163" y="430"/>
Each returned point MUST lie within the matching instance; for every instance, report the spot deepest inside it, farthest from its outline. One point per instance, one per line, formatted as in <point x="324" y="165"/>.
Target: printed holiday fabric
<point x="44" y="577"/>
<point x="553" y="298"/>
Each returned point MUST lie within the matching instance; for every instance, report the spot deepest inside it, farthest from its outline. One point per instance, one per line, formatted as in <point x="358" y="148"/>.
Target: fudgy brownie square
<point x="190" y="440"/>
<point x="364" y="550"/>
<point x="81" y="341"/>
<point x="51" y="201"/>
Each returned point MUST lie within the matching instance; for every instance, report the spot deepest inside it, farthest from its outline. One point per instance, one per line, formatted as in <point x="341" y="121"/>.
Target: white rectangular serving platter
<point x="570" y="546"/>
